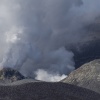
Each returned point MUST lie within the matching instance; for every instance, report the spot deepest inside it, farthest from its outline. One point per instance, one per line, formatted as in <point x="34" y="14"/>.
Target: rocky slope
<point x="28" y="89"/>
<point x="45" y="91"/>
<point x="87" y="76"/>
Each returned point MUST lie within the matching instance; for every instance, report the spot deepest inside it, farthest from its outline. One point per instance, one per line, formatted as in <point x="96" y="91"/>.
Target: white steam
<point x="46" y="76"/>
<point x="34" y="34"/>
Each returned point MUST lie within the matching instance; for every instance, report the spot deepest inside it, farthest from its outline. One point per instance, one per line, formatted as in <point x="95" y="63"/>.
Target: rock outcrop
<point x="87" y="76"/>
<point x="10" y="75"/>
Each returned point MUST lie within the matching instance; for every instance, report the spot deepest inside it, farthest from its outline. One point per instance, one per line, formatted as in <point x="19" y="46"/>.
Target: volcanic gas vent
<point x="11" y="75"/>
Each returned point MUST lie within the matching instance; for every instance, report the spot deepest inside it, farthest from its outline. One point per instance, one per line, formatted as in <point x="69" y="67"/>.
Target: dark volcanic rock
<point x="87" y="76"/>
<point x="10" y="75"/>
<point x="45" y="91"/>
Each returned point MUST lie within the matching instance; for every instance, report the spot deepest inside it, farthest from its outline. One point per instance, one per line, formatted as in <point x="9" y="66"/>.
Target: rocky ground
<point x="29" y="89"/>
<point x="87" y="76"/>
<point x="45" y="91"/>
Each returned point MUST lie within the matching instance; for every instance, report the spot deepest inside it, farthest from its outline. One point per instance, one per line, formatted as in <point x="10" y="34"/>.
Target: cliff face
<point x="87" y="76"/>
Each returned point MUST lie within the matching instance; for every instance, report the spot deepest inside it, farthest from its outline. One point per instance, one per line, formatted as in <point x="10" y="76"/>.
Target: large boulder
<point x="87" y="76"/>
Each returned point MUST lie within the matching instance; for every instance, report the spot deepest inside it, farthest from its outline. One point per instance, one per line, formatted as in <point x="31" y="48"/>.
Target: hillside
<point x="45" y="91"/>
<point x="14" y="86"/>
<point x="87" y="76"/>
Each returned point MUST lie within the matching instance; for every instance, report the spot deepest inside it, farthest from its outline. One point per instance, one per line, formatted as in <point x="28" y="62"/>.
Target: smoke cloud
<point x="35" y="35"/>
<point x="46" y="76"/>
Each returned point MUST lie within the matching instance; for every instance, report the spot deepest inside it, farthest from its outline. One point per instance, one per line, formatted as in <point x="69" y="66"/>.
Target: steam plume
<point x="35" y="34"/>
